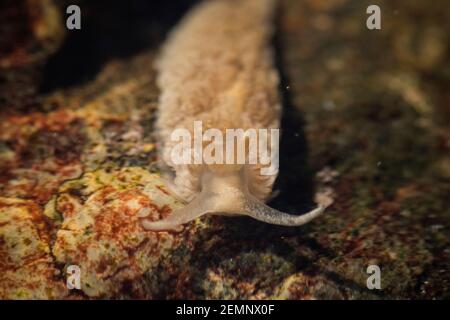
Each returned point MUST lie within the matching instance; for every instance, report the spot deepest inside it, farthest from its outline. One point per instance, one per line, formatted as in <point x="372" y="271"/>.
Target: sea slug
<point x="217" y="67"/>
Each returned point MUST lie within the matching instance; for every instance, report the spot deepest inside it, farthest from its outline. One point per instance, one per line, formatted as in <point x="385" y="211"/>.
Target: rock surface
<point x="366" y="115"/>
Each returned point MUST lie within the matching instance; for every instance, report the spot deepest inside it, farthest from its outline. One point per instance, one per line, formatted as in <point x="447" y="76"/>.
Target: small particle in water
<point x="328" y="105"/>
<point x="436" y="227"/>
<point x="327" y="175"/>
<point x="405" y="213"/>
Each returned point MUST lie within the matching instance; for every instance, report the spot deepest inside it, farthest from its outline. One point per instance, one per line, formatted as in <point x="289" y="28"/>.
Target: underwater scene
<point x="348" y="100"/>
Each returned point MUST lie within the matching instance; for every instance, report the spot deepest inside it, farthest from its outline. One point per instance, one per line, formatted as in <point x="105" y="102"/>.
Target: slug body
<point x="217" y="67"/>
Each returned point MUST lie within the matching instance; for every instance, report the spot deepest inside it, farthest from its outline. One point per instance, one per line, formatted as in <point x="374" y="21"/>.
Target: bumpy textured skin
<point x="217" y="67"/>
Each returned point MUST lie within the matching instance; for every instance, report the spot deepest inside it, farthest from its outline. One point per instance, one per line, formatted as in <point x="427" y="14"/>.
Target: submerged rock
<point x="78" y="169"/>
<point x="27" y="268"/>
<point x="101" y="231"/>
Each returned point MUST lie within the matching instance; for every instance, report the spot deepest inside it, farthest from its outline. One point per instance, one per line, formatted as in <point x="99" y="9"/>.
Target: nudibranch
<point x="217" y="67"/>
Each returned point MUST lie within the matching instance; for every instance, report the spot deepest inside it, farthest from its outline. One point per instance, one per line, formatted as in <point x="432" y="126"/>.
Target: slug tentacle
<point x="195" y="209"/>
<point x="227" y="194"/>
<point x="259" y="211"/>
